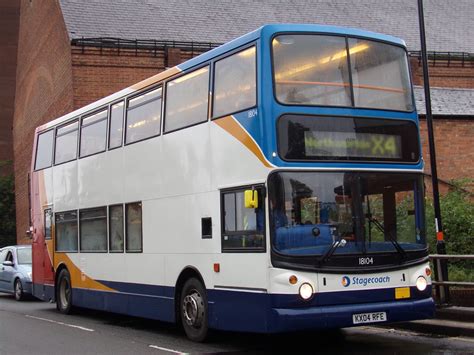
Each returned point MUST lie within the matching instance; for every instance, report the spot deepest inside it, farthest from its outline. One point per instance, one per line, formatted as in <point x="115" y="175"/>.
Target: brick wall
<point x="43" y="88"/>
<point x="100" y="72"/>
<point x="442" y="75"/>
<point x="9" y="26"/>
<point x="454" y="149"/>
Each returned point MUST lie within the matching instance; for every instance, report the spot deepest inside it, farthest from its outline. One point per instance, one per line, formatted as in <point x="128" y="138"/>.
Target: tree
<point x="7" y="208"/>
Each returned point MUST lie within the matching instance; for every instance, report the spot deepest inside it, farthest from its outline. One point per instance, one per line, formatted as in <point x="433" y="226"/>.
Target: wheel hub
<point x="193" y="309"/>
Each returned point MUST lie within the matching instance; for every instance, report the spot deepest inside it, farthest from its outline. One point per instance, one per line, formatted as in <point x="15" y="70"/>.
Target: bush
<point x="7" y="209"/>
<point x="457" y="213"/>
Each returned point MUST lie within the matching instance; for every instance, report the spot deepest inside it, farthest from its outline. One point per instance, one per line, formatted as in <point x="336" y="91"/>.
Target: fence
<point x="442" y="286"/>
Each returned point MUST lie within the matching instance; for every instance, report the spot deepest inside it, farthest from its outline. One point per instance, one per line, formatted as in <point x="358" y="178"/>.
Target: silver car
<point x="15" y="271"/>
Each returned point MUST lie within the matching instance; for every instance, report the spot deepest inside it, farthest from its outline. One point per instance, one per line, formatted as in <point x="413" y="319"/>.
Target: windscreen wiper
<point x="341" y="242"/>
<point x="391" y="237"/>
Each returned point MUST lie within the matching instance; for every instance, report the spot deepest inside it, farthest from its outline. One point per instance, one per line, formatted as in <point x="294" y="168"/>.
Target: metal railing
<point x="141" y="44"/>
<point x="442" y="286"/>
<point x="447" y="59"/>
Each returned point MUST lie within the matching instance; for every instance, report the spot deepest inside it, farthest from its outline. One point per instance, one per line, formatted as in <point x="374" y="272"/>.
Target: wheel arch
<point x="185" y="274"/>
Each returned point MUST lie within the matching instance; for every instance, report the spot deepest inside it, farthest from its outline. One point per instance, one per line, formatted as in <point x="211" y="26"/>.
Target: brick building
<point x="72" y="52"/>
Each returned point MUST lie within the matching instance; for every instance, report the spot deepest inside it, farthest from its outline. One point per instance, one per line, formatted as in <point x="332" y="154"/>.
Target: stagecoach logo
<point x="346" y="281"/>
<point x="364" y="281"/>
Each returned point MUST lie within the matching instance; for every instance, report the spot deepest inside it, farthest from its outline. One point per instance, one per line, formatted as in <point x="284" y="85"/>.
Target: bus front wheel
<point x="64" y="292"/>
<point x="193" y="310"/>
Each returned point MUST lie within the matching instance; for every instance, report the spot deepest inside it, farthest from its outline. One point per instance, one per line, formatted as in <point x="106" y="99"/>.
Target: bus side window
<point x="44" y="150"/>
<point x="116" y="125"/>
<point x="187" y="100"/>
<point x="93" y="133"/>
<point x="48" y="219"/>
<point x="66" y="231"/>
<point x="66" y="143"/>
<point x="242" y="228"/>
<point x="133" y="212"/>
<point x="116" y="236"/>
<point x="235" y="83"/>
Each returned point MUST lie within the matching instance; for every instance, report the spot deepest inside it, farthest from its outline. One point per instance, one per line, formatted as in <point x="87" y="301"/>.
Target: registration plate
<point x="369" y="317"/>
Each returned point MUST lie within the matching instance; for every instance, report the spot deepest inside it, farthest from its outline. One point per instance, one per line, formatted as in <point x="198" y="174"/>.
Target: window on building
<point x="66" y="231"/>
<point x="93" y="133"/>
<point x="243" y="228"/>
<point x="187" y="100"/>
<point x="66" y="143"/>
<point x="116" y="125"/>
<point x="93" y="229"/>
<point x="235" y="83"/>
<point x="116" y="228"/>
<point x="134" y="226"/>
<point x="44" y="150"/>
<point x="143" y="116"/>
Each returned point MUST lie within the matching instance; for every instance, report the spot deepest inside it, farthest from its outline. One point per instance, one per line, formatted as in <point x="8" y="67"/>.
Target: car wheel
<point x="19" y="294"/>
<point x="64" y="292"/>
<point x="194" y="310"/>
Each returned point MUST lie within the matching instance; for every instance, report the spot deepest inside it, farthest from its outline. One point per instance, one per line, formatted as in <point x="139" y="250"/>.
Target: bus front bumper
<point x="341" y="316"/>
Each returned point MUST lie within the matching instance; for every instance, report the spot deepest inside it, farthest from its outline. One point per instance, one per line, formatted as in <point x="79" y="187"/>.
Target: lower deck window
<point x="93" y="226"/>
<point x="242" y="228"/>
<point x="134" y="227"/>
<point x="66" y="231"/>
<point x="116" y="228"/>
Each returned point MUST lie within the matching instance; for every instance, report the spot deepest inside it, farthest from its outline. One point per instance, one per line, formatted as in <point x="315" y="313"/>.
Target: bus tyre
<point x="64" y="292"/>
<point x="193" y="310"/>
<point x="19" y="294"/>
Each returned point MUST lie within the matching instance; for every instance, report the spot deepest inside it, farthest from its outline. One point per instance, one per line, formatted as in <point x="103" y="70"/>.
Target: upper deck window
<point x="380" y="75"/>
<point x="93" y="133"/>
<point x="235" y="83"/>
<point x="116" y="125"/>
<point x="143" y="116"/>
<point x="332" y="71"/>
<point x="66" y="143"/>
<point x="187" y="100"/>
<point x="44" y="151"/>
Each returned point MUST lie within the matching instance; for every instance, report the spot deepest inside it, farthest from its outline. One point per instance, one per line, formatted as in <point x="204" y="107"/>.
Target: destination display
<point x="334" y="138"/>
<point x="345" y="144"/>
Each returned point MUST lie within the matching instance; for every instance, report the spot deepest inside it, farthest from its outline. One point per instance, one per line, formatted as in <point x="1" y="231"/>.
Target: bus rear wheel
<point x="194" y="310"/>
<point x="64" y="292"/>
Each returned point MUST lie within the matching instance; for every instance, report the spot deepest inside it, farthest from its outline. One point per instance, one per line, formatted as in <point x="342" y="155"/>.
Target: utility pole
<point x="441" y="267"/>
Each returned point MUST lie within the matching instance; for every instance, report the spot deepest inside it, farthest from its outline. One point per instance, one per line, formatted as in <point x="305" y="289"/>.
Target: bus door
<point x="43" y="247"/>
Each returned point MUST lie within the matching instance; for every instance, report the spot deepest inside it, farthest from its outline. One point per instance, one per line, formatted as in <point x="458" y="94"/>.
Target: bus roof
<point x="264" y="32"/>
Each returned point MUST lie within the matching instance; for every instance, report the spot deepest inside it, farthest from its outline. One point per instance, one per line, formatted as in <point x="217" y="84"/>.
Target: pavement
<point x="449" y="321"/>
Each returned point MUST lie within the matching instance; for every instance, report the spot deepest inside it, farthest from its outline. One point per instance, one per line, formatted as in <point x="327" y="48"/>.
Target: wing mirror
<point x="7" y="263"/>
<point x="251" y="198"/>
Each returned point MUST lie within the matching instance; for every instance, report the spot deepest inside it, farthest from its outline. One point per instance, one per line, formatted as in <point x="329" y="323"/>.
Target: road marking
<point x="61" y="323"/>
<point x="165" y="349"/>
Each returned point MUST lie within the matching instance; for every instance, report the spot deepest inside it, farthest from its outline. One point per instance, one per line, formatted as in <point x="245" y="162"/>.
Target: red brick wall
<point x="9" y="25"/>
<point x="43" y="88"/>
<point x="442" y="75"/>
<point x="454" y="149"/>
<point x="101" y="72"/>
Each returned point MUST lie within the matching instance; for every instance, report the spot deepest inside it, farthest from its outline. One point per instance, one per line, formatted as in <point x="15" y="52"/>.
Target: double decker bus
<point x="271" y="184"/>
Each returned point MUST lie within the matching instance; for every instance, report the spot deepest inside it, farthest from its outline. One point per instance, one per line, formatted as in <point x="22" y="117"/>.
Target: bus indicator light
<point x="293" y="279"/>
<point x="217" y="267"/>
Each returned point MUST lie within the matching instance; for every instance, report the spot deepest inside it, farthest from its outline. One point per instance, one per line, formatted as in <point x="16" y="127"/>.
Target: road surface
<point x="34" y="327"/>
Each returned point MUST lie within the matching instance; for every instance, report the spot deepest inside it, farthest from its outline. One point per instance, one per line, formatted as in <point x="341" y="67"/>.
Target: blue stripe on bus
<point x="259" y="312"/>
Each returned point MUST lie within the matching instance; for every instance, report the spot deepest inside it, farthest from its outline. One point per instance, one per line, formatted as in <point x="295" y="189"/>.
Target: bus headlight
<point x="421" y="283"/>
<point x="306" y="291"/>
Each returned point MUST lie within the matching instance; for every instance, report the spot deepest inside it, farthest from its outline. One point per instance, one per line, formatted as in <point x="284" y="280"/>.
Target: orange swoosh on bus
<point x="78" y="278"/>
<point x="155" y="78"/>
<point x="230" y="125"/>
